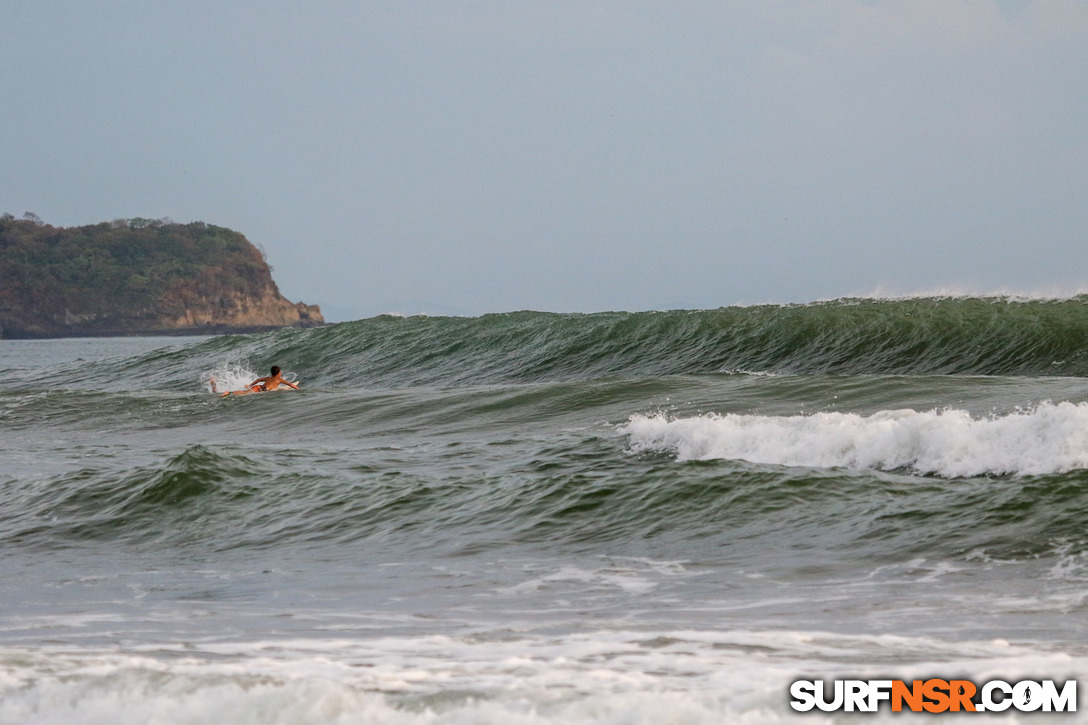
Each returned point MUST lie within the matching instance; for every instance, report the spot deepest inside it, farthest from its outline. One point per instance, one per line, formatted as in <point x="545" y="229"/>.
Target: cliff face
<point x="238" y="310"/>
<point x="137" y="277"/>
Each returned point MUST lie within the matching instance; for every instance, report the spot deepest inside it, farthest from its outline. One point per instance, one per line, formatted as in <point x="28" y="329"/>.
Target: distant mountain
<point x="136" y="277"/>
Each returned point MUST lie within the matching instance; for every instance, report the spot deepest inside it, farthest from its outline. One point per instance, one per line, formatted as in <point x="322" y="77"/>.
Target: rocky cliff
<point x="137" y="277"/>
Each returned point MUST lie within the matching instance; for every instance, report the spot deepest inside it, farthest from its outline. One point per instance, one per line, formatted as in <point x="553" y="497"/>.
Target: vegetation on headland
<point x="135" y="276"/>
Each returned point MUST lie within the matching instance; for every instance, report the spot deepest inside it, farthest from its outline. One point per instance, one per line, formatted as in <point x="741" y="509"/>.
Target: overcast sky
<point x="463" y="157"/>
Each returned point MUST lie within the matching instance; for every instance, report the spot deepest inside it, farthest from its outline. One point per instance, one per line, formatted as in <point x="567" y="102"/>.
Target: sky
<point x="464" y="157"/>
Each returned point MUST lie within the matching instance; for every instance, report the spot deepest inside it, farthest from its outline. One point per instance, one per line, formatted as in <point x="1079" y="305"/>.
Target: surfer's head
<point x="275" y="370"/>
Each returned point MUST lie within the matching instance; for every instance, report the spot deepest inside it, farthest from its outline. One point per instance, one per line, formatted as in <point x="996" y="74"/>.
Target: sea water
<point x="535" y="518"/>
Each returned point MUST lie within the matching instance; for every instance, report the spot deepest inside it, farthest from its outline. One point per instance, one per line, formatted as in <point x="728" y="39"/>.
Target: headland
<point x="137" y="277"/>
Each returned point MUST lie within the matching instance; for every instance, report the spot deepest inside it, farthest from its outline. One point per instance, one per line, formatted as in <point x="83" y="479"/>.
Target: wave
<point x="161" y="502"/>
<point x="962" y="336"/>
<point x="579" y="492"/>
<point x="1050" y="439"/>
<point x="981" y="336"/>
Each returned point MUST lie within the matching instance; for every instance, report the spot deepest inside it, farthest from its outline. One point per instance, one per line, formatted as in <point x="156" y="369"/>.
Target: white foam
<point x="1051" y="438"/>
<point x="634" y="575"/>
<point x="604" y="677"/>
<point x="227" y="377"/>
<point x="961" y="292"/>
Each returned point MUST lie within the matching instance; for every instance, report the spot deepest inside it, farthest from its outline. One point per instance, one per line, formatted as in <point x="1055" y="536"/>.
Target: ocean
<point x="614" y="518"/>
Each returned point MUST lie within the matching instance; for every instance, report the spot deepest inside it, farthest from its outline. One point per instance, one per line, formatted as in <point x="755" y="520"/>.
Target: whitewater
<point x="660" y="517"/>
<point x="952" y="443"/>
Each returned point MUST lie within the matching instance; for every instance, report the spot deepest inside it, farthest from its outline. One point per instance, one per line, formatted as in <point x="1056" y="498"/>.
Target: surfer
<point x="271" y="382"/>
<point x="262" y="385"/>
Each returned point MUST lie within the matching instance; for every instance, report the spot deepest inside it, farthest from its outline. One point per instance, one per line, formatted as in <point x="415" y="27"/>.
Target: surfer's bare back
<point x="263" y="385"/>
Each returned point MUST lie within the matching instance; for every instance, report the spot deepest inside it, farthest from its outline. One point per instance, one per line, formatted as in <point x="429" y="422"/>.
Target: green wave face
<point x="936" y="336"/>
<point x="940" y="336"/>
<point x="961" y="336"/>
<point x="908" y="337"/>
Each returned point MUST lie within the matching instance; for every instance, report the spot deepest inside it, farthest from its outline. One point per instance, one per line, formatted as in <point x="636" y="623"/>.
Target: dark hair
<point x="275" y="369"/>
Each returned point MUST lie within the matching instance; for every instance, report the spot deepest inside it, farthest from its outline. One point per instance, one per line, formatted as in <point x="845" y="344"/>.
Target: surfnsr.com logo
<point x="934" y="695"/>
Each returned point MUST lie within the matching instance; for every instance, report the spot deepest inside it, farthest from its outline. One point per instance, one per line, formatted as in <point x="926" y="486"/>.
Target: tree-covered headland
<point x="136" y="276"/>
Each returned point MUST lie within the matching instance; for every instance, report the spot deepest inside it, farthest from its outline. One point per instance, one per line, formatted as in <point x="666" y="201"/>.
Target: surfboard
<point x="234" y="393"/>
<point x="248" y="390"/>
